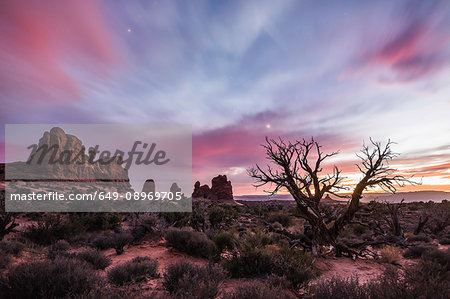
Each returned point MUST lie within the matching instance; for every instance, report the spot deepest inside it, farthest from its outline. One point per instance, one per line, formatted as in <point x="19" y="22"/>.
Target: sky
<point x="341" y="71"/>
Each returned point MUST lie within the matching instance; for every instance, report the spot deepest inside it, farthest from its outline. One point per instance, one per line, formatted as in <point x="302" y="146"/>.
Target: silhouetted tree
<point x="292" y="169"/>
<point x="7" y="220"/>
<point x="392" y="217"/>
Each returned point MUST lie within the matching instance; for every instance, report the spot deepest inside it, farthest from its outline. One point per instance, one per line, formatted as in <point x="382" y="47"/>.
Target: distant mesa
<point x="220" y="191"/>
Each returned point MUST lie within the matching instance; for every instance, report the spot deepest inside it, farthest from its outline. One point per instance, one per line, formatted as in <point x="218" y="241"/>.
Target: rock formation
<point x="149" y="186"/>
<point x="72" y="163"/>
<point x="221" y="190"/>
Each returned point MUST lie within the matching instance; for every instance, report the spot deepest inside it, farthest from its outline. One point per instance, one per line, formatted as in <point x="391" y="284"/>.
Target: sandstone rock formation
<point x="149" y="186"/>
<point x="72" y="163"/>
<point x="221" y="190"/>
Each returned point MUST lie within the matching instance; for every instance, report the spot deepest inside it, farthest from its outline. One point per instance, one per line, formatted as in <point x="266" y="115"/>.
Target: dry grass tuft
<point x="391" y="255"/>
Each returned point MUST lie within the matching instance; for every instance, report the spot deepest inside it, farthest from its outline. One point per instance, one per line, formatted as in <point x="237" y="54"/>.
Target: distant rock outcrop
<point x="221" y="190"/>
<point x="149" y="186"/>
<point x="72" y="163"/>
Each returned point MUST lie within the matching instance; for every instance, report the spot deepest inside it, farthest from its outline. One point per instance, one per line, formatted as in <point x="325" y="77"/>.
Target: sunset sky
<point x="341" y="71"/>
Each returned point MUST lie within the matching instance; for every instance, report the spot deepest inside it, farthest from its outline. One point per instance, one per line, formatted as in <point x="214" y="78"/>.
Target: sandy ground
<point x="156" y="250"/>
<point x="346" y="268"/>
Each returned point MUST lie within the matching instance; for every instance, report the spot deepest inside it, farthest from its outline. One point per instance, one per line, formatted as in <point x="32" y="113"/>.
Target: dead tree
<point x="392" y="217"/>
<point x="440" y="219"/>
<point x="423" y="219"/>
<point x="7" y="220"/>
<point x="293" y="168"/>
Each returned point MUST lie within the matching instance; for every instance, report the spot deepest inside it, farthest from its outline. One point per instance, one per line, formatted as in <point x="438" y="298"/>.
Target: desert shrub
<point x="338" y="288"/>
<point x="225" y="240"/>
<point x="416" y="252"/>
<point x="427" y="279"/>
<point x="5" y="259"/>
<point x="255" y="239"/>
<point x="135" y="270"/>
<point x="251" y="263"/>
<point x="11" y="247"/>
<point x="60" y="245"/>
<point x="148" y="224"/>
<point x="101" y="242"/>
<point x="221" y="215"/>
<point x="281" y="217"/>
<point x="97" y="221"/>
<point x="257" y="290"/>
<point x="51" y="228"/>
<point x="251" y="260"/>
<point x="216" y="216"/>
<point x="444" y="240"/>
<point x="191" y="242"/>
<point x="438" y="256"/>
<point x="7" y="220"/>
<point x="387" y="285"/>
<point x="187" y="280"/>
<point x="116" y="240"/>
<point x="94" y="257"/>
<point x="176" y="219"/>
<point x="59" y="248"/>
<point x="359" y="229"/>
<point x="390" y="255"/>
<point x="419" y="238"/>
<point x="60" y="278"/>
<point x="294" y="265"/>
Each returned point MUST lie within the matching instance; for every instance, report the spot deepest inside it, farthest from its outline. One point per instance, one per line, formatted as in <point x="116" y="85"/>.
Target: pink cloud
<point x="39" y="40"/>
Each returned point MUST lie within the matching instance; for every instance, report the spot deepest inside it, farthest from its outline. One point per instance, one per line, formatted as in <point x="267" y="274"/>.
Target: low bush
<point x="294" y="265"/>
<point x="416" y="252"/>
<point x="257" y="290"/>
<point x="94" y="257"/>
<point x="281" y="217"/>
<point x="60" y="278"/>
<point x="220" y="216"/>
<point x="390" y="255"/>
<point x="438" y="256"/>
<point x="444" y="240"/>
<point x="427" y="279"/>
<point x="135" y="270"/>
<point x="148" y="224"/>
<point x="225" y="240"/>
<point x="250" y="263"/>
<point x="187" y="280"/>
<point x="419" y="238"/>
<point x="50" y="228"/>
<point x="5" y="259"/>
<point x="11" y="247"/>
<point x="338" y="288"/>
<point x="59" y="248"/>
<point x="176" y="219"/>
<point x="191" y="242"/>
<point x="116" y="240"/>
<point x="97" y="221"/>
<point x="60" y="245"/>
